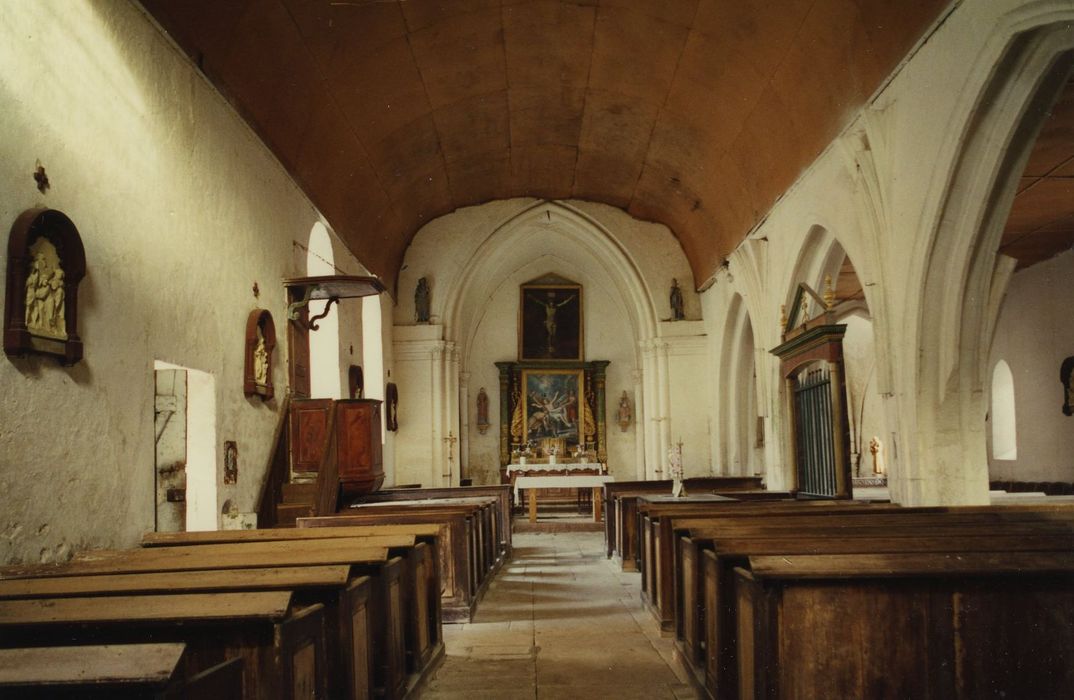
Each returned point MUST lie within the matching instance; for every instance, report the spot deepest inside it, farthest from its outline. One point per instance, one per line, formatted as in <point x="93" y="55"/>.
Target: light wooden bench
<point x="283" y="649"/>
<point x="113" y="672"/>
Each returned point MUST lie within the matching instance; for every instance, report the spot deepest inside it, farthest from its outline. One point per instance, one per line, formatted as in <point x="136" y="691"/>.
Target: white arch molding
<point x="962" y="276"/>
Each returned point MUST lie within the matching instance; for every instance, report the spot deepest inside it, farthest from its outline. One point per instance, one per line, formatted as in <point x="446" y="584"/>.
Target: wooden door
<point x="358" y="430"/>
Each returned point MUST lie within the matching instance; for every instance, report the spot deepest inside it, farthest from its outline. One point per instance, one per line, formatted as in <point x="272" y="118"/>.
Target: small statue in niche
<point x="1066" y="376"/>
<point x="677" y="312"/>
<point x="421" y="301"/>
<point x="482" y="411"/>
<point x="261" y="359"/>
<point x="625" y="414"/>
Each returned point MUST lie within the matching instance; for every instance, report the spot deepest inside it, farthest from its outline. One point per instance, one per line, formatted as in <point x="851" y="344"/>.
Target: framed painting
<point x="553" y="406"/>
<point x="550" y="323"/>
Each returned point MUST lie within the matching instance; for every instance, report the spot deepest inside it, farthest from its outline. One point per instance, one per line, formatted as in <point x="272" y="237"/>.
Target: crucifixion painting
<point x="551" y="322"/>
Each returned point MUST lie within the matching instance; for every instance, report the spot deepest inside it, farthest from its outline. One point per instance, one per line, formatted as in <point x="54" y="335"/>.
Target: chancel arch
<point x="623" y="267"/>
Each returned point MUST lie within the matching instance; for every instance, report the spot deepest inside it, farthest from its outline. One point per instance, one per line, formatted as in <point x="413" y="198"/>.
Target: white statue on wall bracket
<point x="261" y="359"/>
<point x="675" y="470"/>
<point x="44" y="301"/>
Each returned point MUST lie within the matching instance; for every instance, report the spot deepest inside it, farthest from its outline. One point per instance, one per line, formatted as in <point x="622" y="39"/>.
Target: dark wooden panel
<point x="309" y="425"/>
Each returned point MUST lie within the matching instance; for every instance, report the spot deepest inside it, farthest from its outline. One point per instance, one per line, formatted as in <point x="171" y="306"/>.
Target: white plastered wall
<point x="1034" y="335"/>
<point x="475" y="259"/>
<point x="181" y="210"/>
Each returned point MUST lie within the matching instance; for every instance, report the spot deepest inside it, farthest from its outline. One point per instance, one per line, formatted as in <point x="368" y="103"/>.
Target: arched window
<point x="324" y="342"/>
<point x="373" y="352"/>
<point x="1004" y="434"/>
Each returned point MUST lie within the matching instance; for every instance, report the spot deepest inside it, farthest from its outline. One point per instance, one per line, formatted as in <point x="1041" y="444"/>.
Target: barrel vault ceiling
<point x="697" y="114"/>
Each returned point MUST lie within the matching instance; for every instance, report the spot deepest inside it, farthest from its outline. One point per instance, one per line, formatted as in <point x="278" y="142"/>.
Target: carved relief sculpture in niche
<point x="391" y="399"/>
<point x="46" y="261"/>
<point x="260" y="342"/>
<point x="482" y="411"/>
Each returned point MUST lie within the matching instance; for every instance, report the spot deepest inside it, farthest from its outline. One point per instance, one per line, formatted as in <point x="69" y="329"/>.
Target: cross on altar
<point x="450" y="440"/>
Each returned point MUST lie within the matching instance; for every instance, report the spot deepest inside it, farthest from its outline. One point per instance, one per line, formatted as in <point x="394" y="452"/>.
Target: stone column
<point x="464" y="424"/>
<point x="664" y="378"/>
<point x="436" y="418"/>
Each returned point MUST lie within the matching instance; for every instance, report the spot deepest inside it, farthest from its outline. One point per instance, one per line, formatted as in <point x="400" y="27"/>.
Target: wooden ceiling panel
<point x="473" y="126"/>
<point x="680" y="12"/>
<point x="461" y="56"/>
<point x="715" y="89"/>
<point x="540" y="116"/>
<point x="603" y="176"/>
<point x="635" y="55"/>
<point x="1055" y="143"/>
<point x="548" y="44"/>
<point x="204" y="28"/>
<point x="1045" y="202"/>
<point x="410" y="148"/>
<point x="327" y="150"/>
<point x="277" y="88"/>
<point x="547" y="169"/>
<point x="760" y="29"/>
<point x="618" y="125"/>
<point x="380" y="91"/>
<point x="423" y="14"/>
<point x="479" y="178"/>
<point x="694" y="113"/>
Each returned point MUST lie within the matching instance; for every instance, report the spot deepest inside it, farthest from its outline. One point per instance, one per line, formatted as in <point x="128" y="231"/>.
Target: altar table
<point x="533" y="483"/>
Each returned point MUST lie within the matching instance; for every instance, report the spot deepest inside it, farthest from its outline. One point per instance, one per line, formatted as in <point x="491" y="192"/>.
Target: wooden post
<point x="597" y="510"/>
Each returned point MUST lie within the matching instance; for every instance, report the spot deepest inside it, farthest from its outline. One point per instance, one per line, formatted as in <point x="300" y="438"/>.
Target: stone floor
<point x="559" y="621"/>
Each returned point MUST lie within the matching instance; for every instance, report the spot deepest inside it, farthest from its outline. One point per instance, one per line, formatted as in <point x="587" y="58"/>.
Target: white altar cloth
<point x="579" y="481"/>
<point x="557" y="467"/>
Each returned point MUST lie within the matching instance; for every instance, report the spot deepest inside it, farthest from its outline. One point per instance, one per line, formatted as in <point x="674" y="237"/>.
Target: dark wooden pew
<point x="113" y="672"/>
<point x="706" y="620"/>
<point x="486" y="524"/>
<point x="461" y="577"/>
<point x="970" y="625"/>
<point x="502" y="494"/>
<point x="620" y="499"/>
<point x="282" y="647"/>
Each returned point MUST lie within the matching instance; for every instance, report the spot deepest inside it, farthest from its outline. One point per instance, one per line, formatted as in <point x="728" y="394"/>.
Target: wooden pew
<point x="704" y="613"/>
<point x="486" y="524"/>
<point x="113" y="672"/>
<point x="459" y="569"/>
<point x="620" y="500"/>
<point x="376" y="603"/>
<point x="282" y="648"/>
<point x="916" y="625"/>
<point x="501" y="492"/>
<point x="422" y="584"/>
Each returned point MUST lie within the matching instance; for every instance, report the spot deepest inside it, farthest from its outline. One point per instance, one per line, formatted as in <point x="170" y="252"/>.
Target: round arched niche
<point x="45" y="264"/>
<point x="260" y="343"/>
